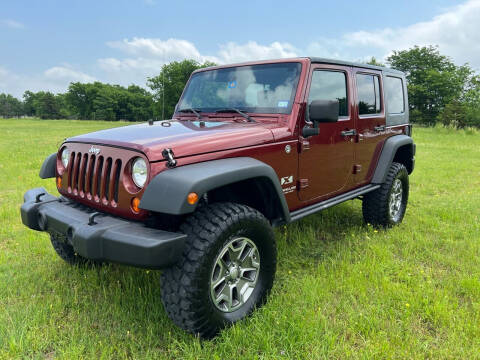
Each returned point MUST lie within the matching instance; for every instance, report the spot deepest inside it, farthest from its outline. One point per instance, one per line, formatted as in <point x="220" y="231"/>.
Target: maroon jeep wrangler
<point x="250" y="146"/>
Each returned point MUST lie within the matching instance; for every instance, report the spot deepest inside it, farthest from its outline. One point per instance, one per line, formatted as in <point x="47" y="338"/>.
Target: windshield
<point x="268" y="88"/>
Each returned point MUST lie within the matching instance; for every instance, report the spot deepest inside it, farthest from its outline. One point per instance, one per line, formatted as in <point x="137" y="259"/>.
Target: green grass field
<point x="343" y="289"/>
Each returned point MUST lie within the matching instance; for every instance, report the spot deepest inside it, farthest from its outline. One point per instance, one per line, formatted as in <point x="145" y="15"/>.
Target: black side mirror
<point x="320" y="111"/>
<point x="323" y="111"/>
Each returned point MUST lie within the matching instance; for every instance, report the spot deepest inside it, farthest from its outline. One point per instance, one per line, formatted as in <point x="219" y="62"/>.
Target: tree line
<point x="439" y="91"/>
<point x="100" y="101"/>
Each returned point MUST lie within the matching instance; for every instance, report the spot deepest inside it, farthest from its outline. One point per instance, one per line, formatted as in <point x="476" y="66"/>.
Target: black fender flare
<point x="390" y="147"/>
<point x="167" y="192"/>
<point x="47" y="170"/>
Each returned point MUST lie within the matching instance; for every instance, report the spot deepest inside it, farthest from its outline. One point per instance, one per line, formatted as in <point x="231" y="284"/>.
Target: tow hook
<point x="170" y="157"/>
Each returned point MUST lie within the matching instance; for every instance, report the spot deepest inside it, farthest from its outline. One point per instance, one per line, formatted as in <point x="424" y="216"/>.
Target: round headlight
<point x="65" y="157"/>
<point x="139" y="172"/>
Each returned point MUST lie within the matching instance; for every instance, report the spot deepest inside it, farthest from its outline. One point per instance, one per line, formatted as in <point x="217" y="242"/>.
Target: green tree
<point x="454" y="114"/>
<point x="463" y="112"/>
<point x="433" y="81"/>
<point x="374" y="61"/>
<point x="109" y="102"/>
<point x="10" y="106"/>
<point x="47" y="105"/>
<point x="28" y="103"/>
<point x="168" y="85"/>
<point x="80" y="97"/>
<point x="140" y="106"/>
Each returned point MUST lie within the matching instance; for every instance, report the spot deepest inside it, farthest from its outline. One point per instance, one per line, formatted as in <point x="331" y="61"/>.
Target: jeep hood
<point x="183" y="137"/>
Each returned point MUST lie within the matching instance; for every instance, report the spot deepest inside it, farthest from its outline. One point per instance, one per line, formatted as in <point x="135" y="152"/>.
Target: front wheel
<point x="66" y="251"/>
<point x="386" y="206"/>
<point x="226" y="270"/>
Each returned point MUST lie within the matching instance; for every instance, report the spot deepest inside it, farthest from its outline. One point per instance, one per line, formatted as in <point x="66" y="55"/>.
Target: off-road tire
<point x="185" y="287"/>
<point x="68" y="254"/>
<point x="375" y="204"/>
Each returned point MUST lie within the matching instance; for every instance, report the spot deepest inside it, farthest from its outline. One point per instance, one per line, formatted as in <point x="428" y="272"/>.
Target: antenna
<point x="163" y="93"/>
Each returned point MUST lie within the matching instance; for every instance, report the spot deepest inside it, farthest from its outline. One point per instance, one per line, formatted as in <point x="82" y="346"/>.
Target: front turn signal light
<point x="192" y="198"/>
<point x="59" y="182"/>
<point x="135" y="204"/>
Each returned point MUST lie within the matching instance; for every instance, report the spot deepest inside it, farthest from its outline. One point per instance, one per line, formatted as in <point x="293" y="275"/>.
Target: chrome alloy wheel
<point x="395" y="201"/>
<point x="234" y="274"/>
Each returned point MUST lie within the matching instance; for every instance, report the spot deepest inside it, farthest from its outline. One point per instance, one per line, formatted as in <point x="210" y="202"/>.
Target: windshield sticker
<point x="282" y="104"/>
<point x="232" y="84"/>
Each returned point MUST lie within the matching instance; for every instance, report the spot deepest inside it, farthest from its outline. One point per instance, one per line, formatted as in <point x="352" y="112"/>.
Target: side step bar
<point x="298" y="214"/>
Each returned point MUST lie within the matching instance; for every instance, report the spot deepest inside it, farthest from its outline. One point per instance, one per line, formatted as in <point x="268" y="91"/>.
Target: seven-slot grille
<point x="94" y="177"/>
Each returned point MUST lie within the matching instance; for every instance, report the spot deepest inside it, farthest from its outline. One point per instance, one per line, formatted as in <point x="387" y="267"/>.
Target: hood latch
<point x="170" y="157"/>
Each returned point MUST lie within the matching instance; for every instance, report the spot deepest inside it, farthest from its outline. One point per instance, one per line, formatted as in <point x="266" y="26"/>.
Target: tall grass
<point x="343" y="289"/>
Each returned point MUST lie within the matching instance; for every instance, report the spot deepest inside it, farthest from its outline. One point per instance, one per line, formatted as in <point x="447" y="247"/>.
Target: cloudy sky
<point x="44" y="45"/>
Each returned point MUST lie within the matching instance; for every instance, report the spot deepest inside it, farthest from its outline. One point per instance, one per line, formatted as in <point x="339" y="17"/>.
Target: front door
<point x="326" y="160"/>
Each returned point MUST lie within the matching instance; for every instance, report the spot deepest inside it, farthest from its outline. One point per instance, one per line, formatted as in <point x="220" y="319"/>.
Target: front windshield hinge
<point x="170" y="157"/>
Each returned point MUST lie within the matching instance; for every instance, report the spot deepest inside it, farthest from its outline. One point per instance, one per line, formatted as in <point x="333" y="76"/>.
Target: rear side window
<point x="368" y="93"/>
<point x="394" y="93"/>
<point x="330" y="85"/>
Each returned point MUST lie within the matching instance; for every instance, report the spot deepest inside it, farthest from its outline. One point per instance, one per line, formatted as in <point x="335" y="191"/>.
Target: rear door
<point x="370" y="122"/>
<point x="326" y="160"/>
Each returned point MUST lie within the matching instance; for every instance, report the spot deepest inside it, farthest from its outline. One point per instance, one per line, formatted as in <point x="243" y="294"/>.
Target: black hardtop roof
<point x="313" y="59"/>
<point x="350" y="63"/>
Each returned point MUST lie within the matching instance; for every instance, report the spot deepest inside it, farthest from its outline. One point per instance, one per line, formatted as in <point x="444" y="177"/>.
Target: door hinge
<point x="302" y="184"/>
<point x="357" y="168"/>
<point x="304" y="145"/>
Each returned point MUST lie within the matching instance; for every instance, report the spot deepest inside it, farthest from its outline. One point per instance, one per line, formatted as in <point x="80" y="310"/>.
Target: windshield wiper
<point x="192" y="110"/>
<point x="232" y="110"/>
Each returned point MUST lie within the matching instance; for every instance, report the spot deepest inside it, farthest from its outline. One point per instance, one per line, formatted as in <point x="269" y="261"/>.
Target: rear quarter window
<point x="394" y="93"/>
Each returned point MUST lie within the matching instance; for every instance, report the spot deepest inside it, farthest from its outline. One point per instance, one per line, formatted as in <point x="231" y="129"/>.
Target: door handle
<point x="379" y="128"/>
<point x="351" y="132"/>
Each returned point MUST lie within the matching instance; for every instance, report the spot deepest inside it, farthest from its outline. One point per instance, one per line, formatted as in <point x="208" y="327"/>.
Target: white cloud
<point x="113" y="64"/>
<point x="233" y="52"/>
<point x="165" y="50"/>
<point x="64" y="75"/>
<point x="11" y="83"/>
<point x="12" y="24"/>
<point x="147" y="55"/>
<point x="55" y="79"/>
<point x="456" y="32"/>
<point x="7" y="80"/>
<point x="129" y="70"/>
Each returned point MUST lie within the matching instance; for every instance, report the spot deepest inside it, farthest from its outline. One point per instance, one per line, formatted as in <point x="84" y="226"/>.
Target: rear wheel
<point x="226" y="271"/>
<point x="386" y="206"/>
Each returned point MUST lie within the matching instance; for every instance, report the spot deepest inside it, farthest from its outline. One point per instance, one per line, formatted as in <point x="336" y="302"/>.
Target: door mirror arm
<point x="310" y="129"/>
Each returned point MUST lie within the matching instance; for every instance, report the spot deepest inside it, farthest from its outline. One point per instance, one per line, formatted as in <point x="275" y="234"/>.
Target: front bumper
<point x="101" y="237"/>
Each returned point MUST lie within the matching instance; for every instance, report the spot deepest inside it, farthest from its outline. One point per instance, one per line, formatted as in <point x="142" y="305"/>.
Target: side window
<point x="330" y="85"/>
<point x="368" y="93"/>
<point x="394" y="93"/>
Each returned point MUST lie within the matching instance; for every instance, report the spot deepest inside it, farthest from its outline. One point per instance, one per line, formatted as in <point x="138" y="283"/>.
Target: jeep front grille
<point x="94" y="177"/>
<point x="101" y="179"/>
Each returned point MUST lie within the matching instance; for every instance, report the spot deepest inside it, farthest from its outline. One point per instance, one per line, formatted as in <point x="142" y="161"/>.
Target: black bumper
<point x="105" y="237"/>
